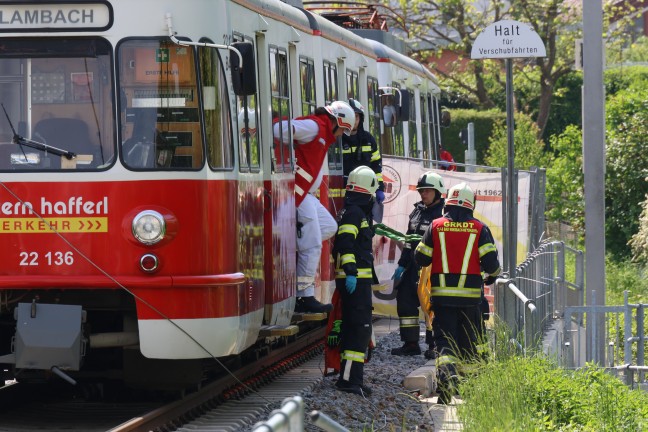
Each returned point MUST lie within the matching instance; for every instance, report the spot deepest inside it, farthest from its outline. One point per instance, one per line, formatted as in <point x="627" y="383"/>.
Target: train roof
<point x="278" y="10"/>
<point x="384" y="52"/>
<point x="305" y="20"/>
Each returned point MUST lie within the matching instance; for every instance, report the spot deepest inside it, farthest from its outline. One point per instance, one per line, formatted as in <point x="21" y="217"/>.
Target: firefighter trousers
<point x="356" y="329"/>
<point x="456" y="332"/>
<point x="407" y="305"/>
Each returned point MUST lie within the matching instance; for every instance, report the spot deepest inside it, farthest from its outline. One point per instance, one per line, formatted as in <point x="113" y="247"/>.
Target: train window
<point x="353" y="92"/>
<point x="414" y="149"/>
<point x="397" y="133"/>
<point x="307" y="71"/>
<point x="57" y="98"/>
<point x="330" y="83"/>
<point x="159" y="103"/>
<point x="280" y="99"/>
<point x="434" y="125"/>
<point x="425" y="145"/>
<point x="330" y="95"/>
<point x="218" y="131"/>
<point x="248" y="126"/>
<point x="373" y="106"/>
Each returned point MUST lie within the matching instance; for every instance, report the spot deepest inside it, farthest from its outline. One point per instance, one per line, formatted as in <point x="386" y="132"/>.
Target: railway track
<point x="230" y="400"/>
<point x="228" y="403"/>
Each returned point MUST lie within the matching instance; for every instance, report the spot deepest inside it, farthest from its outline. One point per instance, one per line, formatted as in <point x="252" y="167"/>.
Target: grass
<point x="511" y="392"/>
<point x="623" y="276"/>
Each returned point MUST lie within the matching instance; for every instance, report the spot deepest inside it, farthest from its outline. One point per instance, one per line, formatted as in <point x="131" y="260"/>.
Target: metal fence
<point x="624" y="328"/>
<point x="290" y="418"/>
<point x="543" y="306"/>
<point x="541" y="288"/>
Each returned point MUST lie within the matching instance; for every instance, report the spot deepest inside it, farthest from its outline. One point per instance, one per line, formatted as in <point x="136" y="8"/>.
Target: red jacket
<point x="310" y="156"/>
<point x="450" y="165"/>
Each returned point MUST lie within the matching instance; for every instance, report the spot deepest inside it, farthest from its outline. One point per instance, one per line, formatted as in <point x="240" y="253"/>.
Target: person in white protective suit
<point x="312" y="136"/>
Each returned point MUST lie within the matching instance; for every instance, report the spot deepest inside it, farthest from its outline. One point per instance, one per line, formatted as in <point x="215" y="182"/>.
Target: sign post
<point x="509" y="39"/>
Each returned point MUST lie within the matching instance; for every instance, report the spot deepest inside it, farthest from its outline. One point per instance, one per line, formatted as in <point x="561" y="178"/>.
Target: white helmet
<point x="344" y="114"/>
<point x="431" y="180"/>
<point x="363" y="180"/>
<point x="356" y="106"/>
<point x="461" y="195"/>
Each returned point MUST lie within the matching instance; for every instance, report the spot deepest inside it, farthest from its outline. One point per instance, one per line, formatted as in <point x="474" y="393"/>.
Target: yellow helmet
<point x="431" y="180"/>
<point x="363" y="180"/>
<point x="461" y="195"/>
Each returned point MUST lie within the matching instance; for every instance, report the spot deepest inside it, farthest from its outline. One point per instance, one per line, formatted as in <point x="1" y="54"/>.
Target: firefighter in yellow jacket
<point x="459" y="247"/>
<point x="353" y="256"/>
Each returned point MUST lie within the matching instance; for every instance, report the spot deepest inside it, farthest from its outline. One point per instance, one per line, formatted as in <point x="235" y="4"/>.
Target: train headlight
<point x="149" y="227"/>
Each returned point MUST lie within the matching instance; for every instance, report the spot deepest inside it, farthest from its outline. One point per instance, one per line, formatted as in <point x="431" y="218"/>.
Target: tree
<point x="626" y="166"/>
<point x="565" y="194"/>
<point x="451" y="26"/>
<point x="639" y="241"/>
<point x="529" y="149"/>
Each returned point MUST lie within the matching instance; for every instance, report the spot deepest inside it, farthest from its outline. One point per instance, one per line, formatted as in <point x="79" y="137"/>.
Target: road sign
<point x="508" y="39"/>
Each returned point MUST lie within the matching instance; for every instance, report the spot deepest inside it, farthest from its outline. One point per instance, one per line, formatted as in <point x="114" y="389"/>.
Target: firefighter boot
<point x="408" y="349"/>
<point x="311" y="305"/>
<point x="430" y="353"/>
<point x="347" y="387"/>
<point x="447" y="382"/>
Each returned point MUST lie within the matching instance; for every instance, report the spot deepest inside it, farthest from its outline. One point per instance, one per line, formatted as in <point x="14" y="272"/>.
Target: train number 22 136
<point x="56" y="258"/>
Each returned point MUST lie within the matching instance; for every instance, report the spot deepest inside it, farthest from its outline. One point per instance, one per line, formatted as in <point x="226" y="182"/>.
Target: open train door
<point x="279" y="212"/>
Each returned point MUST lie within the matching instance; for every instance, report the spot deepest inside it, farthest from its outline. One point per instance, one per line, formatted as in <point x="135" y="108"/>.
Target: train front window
<point x="159" y="106"/>
<point x="57" y="99"/>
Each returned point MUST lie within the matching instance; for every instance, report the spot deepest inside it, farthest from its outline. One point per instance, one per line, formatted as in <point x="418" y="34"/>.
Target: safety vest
<point x="456" y="272"/>
<point x="310" y="156"/>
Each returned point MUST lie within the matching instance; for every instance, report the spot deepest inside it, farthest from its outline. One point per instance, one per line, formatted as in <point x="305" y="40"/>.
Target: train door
<point x="279" y="211"/>
<point x="331" y="190"/>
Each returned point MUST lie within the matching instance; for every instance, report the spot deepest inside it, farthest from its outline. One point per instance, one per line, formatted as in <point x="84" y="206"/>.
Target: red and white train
<point x="146" y="221"/>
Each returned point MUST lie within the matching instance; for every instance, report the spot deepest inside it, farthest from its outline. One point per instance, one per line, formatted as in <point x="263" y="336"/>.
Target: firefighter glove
<point x="333" y="339"/>
<point x="380" y="196"/>
<point x="490" y="280"/>
<point x="398" y="273"/>
<point x="350" y="283"/>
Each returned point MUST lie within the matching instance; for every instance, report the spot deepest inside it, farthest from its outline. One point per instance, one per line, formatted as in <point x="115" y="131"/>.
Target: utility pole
<point x="470" y="154"/>
<point x="594" y="173"/>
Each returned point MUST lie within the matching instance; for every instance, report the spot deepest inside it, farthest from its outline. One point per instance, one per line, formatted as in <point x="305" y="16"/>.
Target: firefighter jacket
<point x="419" y="221"/>
<point x="310" y="156"/>
<point x="361" y="149"/>
<point x="352" y="250"/>
<point x="459" y="247"/>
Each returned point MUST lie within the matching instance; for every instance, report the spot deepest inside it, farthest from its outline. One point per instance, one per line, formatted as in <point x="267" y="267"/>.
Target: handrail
<point x="539" y="291"/>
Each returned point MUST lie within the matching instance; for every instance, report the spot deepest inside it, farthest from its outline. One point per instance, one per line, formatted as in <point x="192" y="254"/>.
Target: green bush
<point x="622" y="275"/>
<point x="483" y="120"/>
<point x="623" y="78"/>
<point x="529" y="150"/>
<point x="565" y="193"/>
<point x="626" y="167"/>
<point x="534" y="394"/>
<point x="566" y="105"/>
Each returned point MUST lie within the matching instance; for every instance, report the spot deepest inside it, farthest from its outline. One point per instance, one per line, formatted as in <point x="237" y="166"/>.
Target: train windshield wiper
<point x="17" y="139"/>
